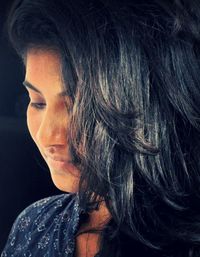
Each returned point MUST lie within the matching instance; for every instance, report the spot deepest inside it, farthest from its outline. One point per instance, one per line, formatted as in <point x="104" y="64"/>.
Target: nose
<point x="53" y="129"/>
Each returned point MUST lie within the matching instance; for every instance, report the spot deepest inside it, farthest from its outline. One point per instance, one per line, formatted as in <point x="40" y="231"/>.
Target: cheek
<point x="33" y="122"/>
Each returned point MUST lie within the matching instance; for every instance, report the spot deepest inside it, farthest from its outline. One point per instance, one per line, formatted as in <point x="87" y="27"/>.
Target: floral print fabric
<point x="46" y="228"/>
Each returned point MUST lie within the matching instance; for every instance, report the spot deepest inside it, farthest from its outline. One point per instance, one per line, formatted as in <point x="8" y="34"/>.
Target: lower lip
<point x="58" y="165"/>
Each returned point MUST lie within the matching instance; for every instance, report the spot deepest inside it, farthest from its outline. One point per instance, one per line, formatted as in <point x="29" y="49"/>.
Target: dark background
<point x="24" y="177"/>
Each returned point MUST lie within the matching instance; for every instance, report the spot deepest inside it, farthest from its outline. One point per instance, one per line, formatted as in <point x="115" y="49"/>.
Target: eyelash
<point x="38" y="106"/>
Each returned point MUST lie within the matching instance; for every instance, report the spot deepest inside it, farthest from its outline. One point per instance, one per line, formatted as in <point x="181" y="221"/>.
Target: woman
<point x="114" y="110"/>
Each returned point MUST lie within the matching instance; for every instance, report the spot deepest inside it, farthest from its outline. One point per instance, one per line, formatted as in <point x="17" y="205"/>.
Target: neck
<point x="97" y="218"/>
<point x="87" y="244"/>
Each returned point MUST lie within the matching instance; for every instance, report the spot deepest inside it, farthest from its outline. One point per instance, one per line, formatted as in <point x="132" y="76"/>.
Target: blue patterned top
<point x="46" y="228"/>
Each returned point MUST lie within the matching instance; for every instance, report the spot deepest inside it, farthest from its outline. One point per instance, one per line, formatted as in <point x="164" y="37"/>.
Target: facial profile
<point x="48" y="118"/>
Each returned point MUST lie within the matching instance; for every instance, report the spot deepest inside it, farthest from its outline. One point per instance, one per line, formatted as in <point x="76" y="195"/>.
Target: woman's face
<point x="47" y="116"/>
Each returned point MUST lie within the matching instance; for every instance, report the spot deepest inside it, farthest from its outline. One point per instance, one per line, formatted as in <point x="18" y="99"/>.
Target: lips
<point x="57" y="163"/>
<point x="57" y="159"/>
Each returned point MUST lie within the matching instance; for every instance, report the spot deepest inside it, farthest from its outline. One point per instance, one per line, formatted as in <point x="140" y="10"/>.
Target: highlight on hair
<point x="132" y="71"/>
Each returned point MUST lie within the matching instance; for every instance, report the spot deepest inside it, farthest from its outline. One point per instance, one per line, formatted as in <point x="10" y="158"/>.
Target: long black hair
<point x="132" y="71"/>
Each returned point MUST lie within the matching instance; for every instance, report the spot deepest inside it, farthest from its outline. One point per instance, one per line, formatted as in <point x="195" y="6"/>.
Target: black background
<point x="24" y="177"/>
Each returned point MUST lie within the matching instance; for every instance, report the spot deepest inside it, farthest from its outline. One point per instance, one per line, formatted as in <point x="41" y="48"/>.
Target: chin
<point x="66" y="183"/>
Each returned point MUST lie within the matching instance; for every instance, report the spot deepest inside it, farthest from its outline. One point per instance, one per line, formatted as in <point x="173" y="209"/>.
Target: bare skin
<point x="87" y="245"/>
<point x="47" y="120"/>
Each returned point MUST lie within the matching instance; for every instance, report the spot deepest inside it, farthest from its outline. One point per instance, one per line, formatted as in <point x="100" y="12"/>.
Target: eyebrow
<point x="27" y="84"/>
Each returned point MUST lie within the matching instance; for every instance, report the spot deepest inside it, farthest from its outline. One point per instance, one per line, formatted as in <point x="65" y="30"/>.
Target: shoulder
<point x="41" y="210"/>
<point x="37" y="225"/>
<point x="50" y="204"/>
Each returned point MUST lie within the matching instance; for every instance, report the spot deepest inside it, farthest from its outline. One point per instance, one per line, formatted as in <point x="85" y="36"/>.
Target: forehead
<point x="38" y="61"/>
<point x="43" y="70"/>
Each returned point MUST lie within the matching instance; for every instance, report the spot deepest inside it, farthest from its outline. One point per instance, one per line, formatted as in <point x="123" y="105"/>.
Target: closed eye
<point x="38" y="106"/>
